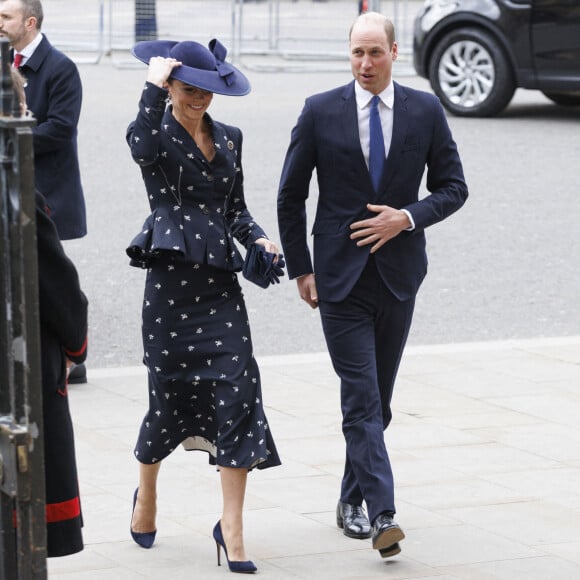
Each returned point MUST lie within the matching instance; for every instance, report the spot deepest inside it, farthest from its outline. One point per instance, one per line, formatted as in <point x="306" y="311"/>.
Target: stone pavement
<point x="485" y="445"/>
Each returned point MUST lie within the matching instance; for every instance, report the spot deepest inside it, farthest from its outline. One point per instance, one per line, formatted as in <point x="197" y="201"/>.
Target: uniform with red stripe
<point x="63" y="329"/>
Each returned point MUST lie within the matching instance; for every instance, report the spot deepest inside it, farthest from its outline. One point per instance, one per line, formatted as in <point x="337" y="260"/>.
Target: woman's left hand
<point x="269" y="246"/>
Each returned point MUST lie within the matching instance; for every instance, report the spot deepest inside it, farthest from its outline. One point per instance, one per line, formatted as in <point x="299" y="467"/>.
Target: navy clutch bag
<point x="260" y="268"/>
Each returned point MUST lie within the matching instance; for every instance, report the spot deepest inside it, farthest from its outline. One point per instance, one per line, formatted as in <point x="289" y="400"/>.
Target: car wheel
<point x="470" y="74"/>
<point x="565" y="99"/>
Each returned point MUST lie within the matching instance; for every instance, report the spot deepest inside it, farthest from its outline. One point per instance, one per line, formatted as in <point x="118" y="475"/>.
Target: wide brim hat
<point x="201" y="67"/>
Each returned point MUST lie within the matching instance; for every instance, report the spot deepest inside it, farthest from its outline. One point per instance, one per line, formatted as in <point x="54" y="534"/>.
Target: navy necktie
<point x="376" y="144"/>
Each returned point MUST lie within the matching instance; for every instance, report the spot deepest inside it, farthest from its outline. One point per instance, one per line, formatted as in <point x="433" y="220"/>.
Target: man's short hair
<point x="33" y="8"/>
<point x="377" y="18"/>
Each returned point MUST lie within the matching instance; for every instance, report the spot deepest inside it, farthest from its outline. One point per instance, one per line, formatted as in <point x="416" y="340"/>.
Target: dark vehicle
<point x="475" y="53"/>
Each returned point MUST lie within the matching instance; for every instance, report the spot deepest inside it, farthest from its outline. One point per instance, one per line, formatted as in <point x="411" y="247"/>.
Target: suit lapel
<point x="400" y="125"/>
<point x="349" y="124"/>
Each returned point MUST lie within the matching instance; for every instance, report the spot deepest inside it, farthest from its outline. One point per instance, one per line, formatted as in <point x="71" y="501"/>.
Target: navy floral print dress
<point x="204" y="383"/>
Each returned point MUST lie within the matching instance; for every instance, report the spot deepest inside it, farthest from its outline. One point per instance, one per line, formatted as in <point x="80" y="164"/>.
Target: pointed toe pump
<point x="144" y="539"/>
<point x="246" y="567"/>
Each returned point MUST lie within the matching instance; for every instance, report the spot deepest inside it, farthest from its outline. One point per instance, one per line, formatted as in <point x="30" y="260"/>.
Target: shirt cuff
<point x="412" y="226"/>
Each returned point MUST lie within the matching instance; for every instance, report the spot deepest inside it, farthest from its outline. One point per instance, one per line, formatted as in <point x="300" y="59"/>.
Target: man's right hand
<point x="307" y="289"/>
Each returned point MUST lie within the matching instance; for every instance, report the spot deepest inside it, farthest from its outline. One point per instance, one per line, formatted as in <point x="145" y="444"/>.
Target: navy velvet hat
<point x="202" y="68"/>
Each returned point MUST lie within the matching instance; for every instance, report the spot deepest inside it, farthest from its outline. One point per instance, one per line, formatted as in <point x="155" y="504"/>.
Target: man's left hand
<point x="378" y="230"/>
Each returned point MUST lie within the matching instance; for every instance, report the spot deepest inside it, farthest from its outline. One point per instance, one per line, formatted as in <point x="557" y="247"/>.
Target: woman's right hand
<point x="160" y="69"/>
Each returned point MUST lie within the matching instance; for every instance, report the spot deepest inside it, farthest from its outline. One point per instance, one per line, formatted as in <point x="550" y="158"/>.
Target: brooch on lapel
<point x="230" y="145"/>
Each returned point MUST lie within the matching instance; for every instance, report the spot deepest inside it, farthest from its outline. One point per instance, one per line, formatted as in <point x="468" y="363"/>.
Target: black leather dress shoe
<point x="77" y="374"/>
<point x="386" y="533"/>
<point x="353" y="520"/>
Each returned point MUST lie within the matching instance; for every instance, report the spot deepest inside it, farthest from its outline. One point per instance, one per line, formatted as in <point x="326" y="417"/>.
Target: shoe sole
<point x="388" y="538"/>
<point x="354" y="535"/>
<point x="390" y="551"/>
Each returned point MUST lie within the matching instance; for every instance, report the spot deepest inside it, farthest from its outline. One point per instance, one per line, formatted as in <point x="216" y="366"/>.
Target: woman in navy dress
<point x="204" y="383"/>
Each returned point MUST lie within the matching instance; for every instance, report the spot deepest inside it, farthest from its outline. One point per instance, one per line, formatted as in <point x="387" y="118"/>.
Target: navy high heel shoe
<point x="246" y="567"/>
<point x="144" y="539"/>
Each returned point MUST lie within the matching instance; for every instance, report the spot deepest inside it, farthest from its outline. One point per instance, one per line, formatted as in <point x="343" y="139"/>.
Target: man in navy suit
<point x="54" y="96"/>
<point x="369" y="249"/>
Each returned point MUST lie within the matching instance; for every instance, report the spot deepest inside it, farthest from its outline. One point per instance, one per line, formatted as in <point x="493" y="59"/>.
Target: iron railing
<point x="22" y="496"/>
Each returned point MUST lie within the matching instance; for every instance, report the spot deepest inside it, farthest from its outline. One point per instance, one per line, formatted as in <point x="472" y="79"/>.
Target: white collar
<point x="29" y="49"/>
<point x="363" y="97"/>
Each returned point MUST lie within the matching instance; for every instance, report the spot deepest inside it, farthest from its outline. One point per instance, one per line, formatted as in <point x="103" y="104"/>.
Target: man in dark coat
<point x="54" y="95"/>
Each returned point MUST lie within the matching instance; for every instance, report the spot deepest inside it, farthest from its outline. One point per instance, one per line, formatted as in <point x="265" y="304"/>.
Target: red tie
<point x="17" y="60"/>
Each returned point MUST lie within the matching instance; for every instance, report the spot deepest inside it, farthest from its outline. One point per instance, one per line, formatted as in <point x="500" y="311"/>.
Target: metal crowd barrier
<point x="22" y="496"/>
<point x="291" y="31"/>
